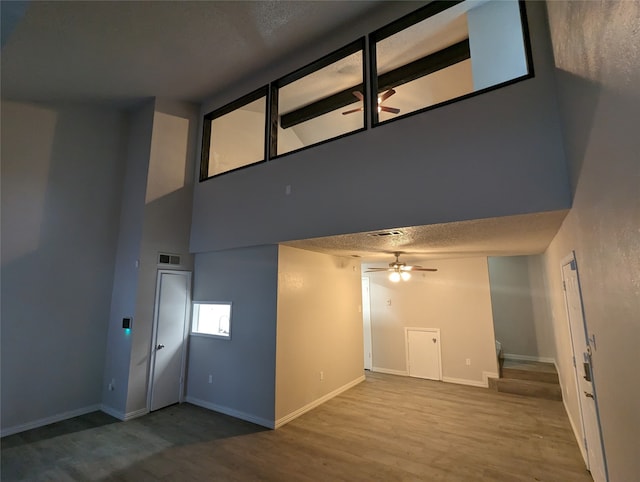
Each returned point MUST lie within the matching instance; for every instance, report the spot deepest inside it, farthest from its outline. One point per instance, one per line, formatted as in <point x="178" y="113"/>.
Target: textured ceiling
<point x="123" y="51"/>
<point x="504" y="236"/>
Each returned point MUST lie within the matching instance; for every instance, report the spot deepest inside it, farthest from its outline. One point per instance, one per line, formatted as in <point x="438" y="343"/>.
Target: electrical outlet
<point x="321" y="376"/>
<point x="468" y="361"/>
<point x="287" y="189"/>
<point x="210" y="378"/>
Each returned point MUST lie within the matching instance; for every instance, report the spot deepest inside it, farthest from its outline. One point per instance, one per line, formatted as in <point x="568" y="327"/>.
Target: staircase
<point x="528" y="378"/>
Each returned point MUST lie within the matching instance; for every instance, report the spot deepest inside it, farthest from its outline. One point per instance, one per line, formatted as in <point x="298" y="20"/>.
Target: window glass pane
<point x="324" y="104"/>
<point x="471" y="46"/>
<point x="237" y="138"/>
<point x="212" y="319"/>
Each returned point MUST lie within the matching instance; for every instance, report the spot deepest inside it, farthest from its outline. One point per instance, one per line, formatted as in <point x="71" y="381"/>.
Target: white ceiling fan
<point x="398" y="270"/>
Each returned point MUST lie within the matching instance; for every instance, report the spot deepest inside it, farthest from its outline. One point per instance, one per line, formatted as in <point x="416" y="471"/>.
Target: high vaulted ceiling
<point x="113" y="51"/>
<point x="118" y="52"/>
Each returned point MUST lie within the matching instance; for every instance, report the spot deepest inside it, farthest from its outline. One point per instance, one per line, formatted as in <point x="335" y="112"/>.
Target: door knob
<point x="160" y="347"/>
<point x="589" y="395"/>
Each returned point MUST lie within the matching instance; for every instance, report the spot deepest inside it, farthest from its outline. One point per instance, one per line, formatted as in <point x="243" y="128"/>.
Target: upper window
<point x="321" y="101"/>
<point x="444" y="51"/>
<point x="234" y="136"/>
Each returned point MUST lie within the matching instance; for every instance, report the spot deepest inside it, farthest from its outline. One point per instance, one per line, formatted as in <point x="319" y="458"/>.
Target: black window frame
<point x="415" y="17"/>
<point x="359" y="45"/>
<point x="226" y="109"/>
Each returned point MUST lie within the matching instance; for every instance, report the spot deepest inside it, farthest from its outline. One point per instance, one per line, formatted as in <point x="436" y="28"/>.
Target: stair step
<point x="529" y="388"/>
<point x="529" y="370"/>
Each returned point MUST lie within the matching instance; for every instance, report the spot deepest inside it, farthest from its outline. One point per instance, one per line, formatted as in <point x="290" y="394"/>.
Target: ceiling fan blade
<point x="391" y="110"/>
<point x="424" y="269"/>
<point x="351" y="111"/>
<point x="377" y="270"/>
<point x="386" y="95"/>
<point x="358" y="94"/>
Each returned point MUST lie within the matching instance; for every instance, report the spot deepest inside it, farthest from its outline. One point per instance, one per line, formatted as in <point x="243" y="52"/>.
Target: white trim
<point x="41" y="422"/>
<point x="135" y="414"/>
<point x="154" y="335"/>
<point x="310" y="406"/>
<point x="124" y="416"/>
<point x="543" y="359"/>
<point x="389" y="371"/>
<point x="230" y="411"/>
<point x="464" y="381"/>
<point x="112" y="411"/>
<point x="487" y="375"/>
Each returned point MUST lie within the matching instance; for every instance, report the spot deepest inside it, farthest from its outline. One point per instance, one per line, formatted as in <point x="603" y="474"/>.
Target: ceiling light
<point x="405" y="275"/>
<point x="394" y="276"/>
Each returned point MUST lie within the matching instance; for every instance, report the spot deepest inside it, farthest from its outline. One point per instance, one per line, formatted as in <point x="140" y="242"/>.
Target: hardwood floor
<point x="387" y="428"/>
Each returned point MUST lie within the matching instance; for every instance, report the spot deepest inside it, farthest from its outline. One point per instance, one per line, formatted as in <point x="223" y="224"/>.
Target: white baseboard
<point x="124" y="416"/>
<point x="231" y="412"/>
<point x="512" y="356"/>
<point x="136" y="414"/>
<point x="310" y="406"/>
<point x="112" y="411"/>
<point x="402" y="373"/>
<point x="487" y="375"/>
<point x="41" y="422"/>
<point x="464" y="381"/>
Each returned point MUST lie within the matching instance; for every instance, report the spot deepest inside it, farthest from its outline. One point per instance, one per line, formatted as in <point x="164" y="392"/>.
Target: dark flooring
<point x="387" y="428"/>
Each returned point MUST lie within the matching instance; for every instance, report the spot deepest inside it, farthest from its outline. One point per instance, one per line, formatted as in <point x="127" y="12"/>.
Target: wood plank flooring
<point x="387" y="428"/>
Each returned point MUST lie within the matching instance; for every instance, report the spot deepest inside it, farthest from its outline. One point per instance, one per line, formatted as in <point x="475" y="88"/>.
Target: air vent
<point x="383" y="234"/>
<point x="171" y="259"/>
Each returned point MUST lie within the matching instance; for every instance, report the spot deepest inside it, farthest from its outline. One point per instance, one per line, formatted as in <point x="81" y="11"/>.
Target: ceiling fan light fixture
<point x="394" y="276"/>
<point x="405" y="275"/>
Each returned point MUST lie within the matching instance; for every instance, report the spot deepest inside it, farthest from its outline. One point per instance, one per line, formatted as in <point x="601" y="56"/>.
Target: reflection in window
<point x="212" y="319"/>
<point x="234" y="136"/>
<point x="321" y="101"/>
<point x="443" y="52"/>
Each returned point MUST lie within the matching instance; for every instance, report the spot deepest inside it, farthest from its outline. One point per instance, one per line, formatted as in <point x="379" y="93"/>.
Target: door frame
<point x="570" y="259"/>
<point x="154" y="332"/>
<point x="366" y="324"/>
<point x="436" y="331"/>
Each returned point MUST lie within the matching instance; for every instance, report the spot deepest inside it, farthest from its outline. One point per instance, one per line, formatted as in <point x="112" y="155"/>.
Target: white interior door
<point x="583" y="372"/>
<point x="173" y="297"/>
<point x="423" y="353"/>
<point x="366" y="324"/>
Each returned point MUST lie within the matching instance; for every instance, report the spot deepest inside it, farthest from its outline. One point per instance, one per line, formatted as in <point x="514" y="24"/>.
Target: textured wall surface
<point x="597" y="54"/>
<point x="62" y="171"/>
<point x="512" y="305"/>
<point x="319" y="327"/>
<point x="243" y="369"/>
<point x="456" y="299"/>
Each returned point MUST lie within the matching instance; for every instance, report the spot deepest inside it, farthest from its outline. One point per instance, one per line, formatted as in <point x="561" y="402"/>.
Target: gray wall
<point x="455" y="299"/>
<point x="62" y="170"/>
<point x="125" y="282"/>
<point x="165" y="226"/>
<point x="598" y="61"/>
<point x="512" y="305"/>
<point x="243" y="369"/>
<point x="496" y="154"/>
<point x="156" y="207"/>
